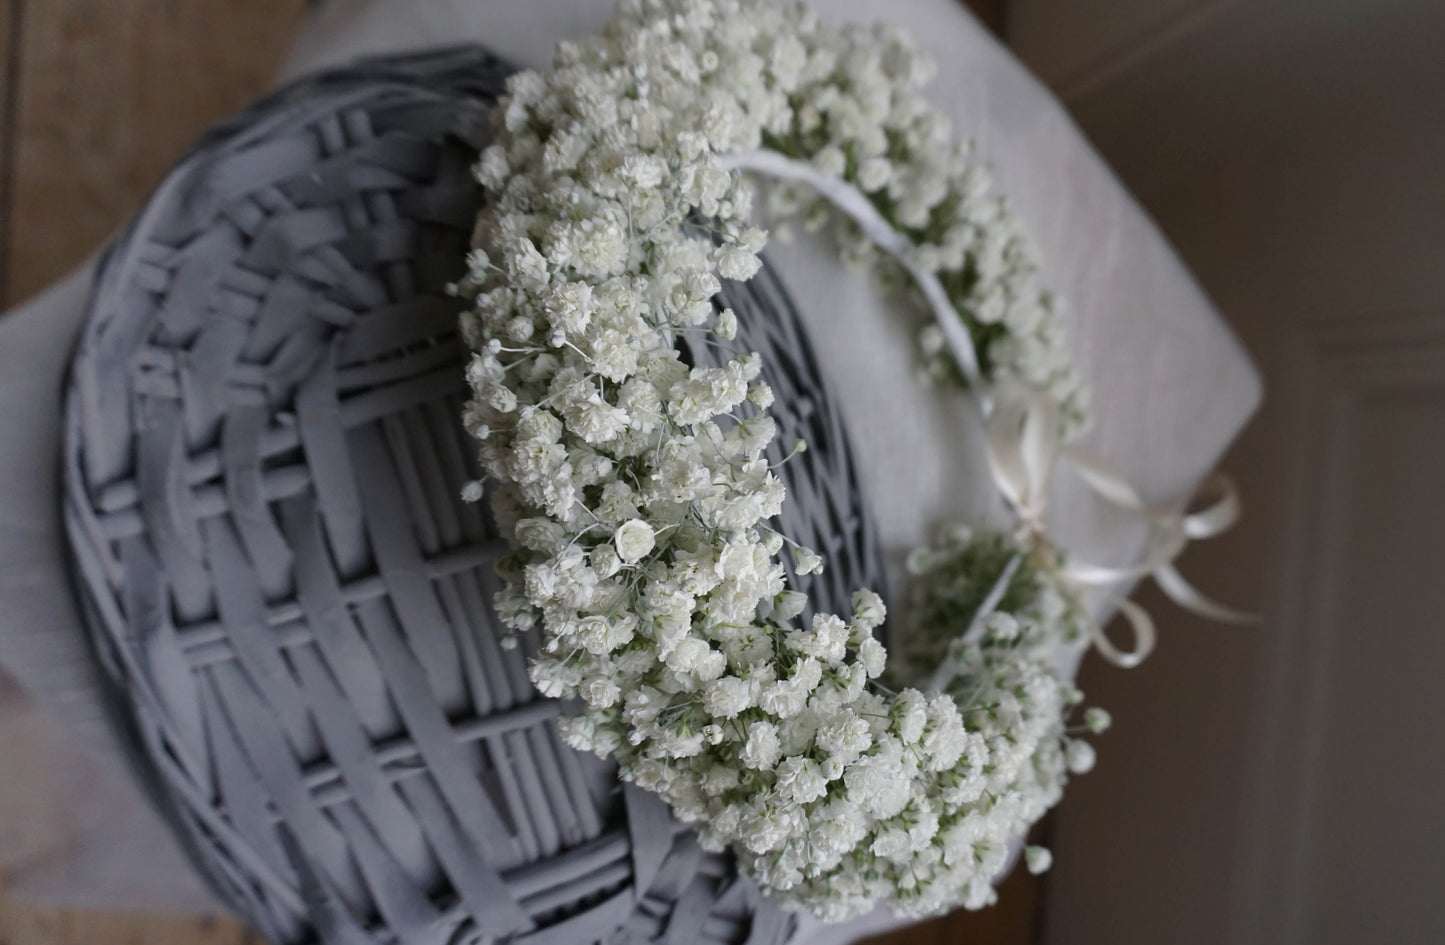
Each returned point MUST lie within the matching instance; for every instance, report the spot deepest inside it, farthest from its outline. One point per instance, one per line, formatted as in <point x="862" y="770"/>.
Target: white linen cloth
<point x="1172" y="387"/>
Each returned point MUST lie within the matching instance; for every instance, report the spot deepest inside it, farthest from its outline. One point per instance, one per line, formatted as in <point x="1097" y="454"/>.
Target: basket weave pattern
<point x="263" y="461"/>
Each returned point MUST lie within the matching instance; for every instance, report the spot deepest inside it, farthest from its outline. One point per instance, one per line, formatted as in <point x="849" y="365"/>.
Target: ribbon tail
<point x="1144" y="637"/>
<point x="1003" y="434"/>
<point x="1039" y="447"/>
<point x="1022" y="431"/>
<point x="1103" y="479"/>
<point x="1186" y="595"/>
<point x="1220" y="515"/>
<point x="1099" y="575"/>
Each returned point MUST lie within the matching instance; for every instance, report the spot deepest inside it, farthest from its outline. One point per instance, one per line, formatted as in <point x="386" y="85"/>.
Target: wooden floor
<point x="97" y="99"/>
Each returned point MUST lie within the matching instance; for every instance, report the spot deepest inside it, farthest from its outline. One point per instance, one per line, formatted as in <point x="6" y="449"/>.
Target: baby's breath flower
<point x="807" y="561"/>
<point x="1039" y="859"/>
<point x="1097" y="720"/>
<point x="761" y="395"/>
<point x="762" y="747"/>
<point x="1080" y="756"/>
<point x="799" y="780"/>
<point x="726" y="327"/>
<point x="868" y="609"/>
<point x="633" y="539"/>
<point x="636" y="488"/>
<point x="738" y="264"/>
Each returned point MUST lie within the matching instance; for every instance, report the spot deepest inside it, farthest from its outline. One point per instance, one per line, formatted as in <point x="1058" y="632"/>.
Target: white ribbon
<point x="1025" y="444"/>
<point x="851" y="201"/>
<point x="1024" y="448"/>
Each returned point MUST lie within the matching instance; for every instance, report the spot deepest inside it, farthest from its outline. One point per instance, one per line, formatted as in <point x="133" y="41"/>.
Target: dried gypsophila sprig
<point x="639" y="498"/>
<point x="937" y="195"/>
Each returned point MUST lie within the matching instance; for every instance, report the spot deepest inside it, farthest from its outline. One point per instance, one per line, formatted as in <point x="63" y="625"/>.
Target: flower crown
<point x="620" y="188"/>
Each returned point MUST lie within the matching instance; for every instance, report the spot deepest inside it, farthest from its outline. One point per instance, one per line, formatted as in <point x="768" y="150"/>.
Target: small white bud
<point x="807" y="561"/>
<point x="1079" y="756"/>
<point x="727" y="325"/>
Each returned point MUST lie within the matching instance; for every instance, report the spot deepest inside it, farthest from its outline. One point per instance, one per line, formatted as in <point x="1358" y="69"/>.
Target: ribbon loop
<point x="1186" y="595"/>
<point x="1220" y="515"/>
<point x="1025" y="444"/>
<point x="1024" y="439"/>
<point x="1144" y="636"/>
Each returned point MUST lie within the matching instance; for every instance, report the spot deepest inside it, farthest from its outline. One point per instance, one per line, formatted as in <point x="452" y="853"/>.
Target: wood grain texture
<point x="10" y="11"/>
<point x="43" y="813"/>
<point x="110" y="94"/>
<point x="29" y="924"/>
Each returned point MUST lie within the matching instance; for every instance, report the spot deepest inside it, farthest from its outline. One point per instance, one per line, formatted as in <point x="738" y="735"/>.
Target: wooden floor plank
<point x="10" y="11"/>
<point x="29" y="924"/>
<point x="38" y="809"/>
<point x="110" y="95"/>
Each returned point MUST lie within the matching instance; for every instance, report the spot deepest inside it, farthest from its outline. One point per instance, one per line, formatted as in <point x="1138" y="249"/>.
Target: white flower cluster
<point x="637" y="493"/>
<point x="951" y="581"/>
<point x="861" y="117"/>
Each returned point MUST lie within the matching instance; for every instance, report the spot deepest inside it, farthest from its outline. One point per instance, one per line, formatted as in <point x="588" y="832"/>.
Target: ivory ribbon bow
<point x="1024" y="448"/>
<point x="1025" y="444"/>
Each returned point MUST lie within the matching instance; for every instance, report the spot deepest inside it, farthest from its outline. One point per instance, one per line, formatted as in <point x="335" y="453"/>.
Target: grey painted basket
<point x="263" y="460"/>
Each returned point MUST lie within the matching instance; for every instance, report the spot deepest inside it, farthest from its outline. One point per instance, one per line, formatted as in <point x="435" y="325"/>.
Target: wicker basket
<point x="262" y="463"/>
